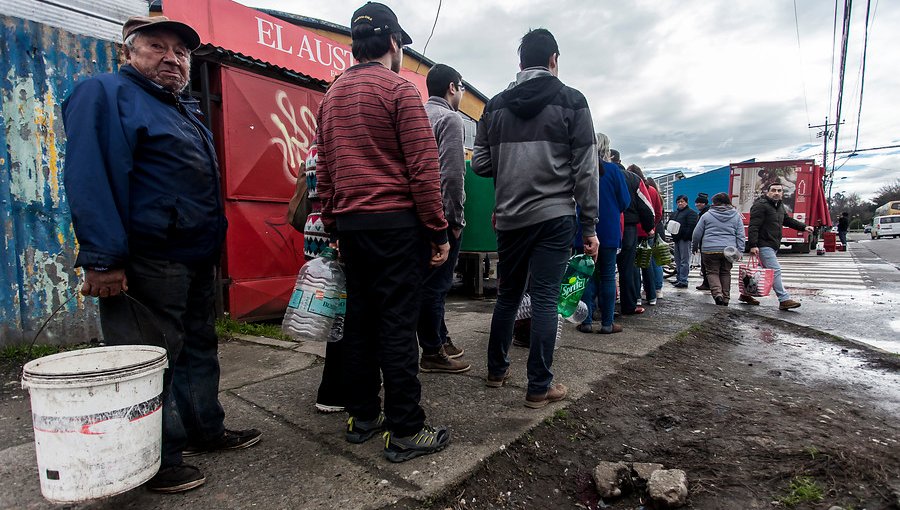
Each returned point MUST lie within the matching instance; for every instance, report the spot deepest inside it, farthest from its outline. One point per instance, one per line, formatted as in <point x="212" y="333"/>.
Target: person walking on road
<point x="718" y="229"/>
<point x="142" y="181"/>
<point x="687" y="220"/>
<point x="843" y="227"/>
<point x="536" y="139"/>
<point x="379" y="183"/>
<point x="445" y="89"/>
<point x="767" y="216"/>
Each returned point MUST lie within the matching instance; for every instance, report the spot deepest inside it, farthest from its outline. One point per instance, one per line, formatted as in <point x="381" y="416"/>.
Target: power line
<point x="869" y="149"/>
<point x="845" y="40"/>
<point x="436" y="16"/>
<point x="862" y="79"/>
<point x="833" y="41"/>
<point x="800" y="53"/>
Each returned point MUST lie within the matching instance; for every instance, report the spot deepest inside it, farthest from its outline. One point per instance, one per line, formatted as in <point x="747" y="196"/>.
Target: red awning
<point x="257" y="35"/>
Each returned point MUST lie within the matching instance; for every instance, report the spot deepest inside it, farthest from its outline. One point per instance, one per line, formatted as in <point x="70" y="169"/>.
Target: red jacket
<point x="656" y="202"/>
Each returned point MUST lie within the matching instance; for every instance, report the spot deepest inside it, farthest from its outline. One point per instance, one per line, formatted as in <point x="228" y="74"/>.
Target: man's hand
<point x="591" y="247"/>
<point x="439" y="254"/>
<point x="754" y="251"/>
<point x="104" y="283"/>
<point x="809" y="229"/>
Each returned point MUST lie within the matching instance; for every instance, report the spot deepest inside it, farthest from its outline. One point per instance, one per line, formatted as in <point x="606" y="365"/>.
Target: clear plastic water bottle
<point x="578" y="274"/>
<point x="319" y="301"/>
<point x="580" y="314"/>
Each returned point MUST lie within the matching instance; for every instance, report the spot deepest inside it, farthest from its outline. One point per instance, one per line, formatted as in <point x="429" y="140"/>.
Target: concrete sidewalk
<point x="303" y="460"/>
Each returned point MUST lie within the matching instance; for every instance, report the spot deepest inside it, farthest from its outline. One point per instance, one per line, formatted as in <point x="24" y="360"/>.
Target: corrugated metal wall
<point x="101" y="19"/>
<point x="39" y="66"/>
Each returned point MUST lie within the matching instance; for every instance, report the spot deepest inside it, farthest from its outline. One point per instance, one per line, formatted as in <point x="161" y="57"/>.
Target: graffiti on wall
<point x="293" y="141"/>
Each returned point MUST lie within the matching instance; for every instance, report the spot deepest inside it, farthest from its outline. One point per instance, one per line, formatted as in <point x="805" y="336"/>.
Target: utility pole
<point x="826" y="134"/>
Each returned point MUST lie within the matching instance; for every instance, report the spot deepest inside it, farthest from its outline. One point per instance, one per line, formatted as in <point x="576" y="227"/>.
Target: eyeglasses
<point x="460" y="87"/>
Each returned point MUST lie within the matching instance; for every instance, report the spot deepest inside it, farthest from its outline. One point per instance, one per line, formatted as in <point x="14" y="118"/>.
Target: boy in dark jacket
<point x="687" y="219"/>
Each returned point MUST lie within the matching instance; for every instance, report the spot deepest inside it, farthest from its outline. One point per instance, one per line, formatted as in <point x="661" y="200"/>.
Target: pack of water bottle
<point x="318" y="304"/>
<point x="570" y="307"/>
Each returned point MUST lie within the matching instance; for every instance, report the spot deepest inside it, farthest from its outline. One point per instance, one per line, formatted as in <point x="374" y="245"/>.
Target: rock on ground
<point x="608" y="477"/>
<point x="668" y="487"/>
<point x="643" y="470"/>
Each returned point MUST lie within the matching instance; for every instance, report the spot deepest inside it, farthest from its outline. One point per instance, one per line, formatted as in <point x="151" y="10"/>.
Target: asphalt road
<point x="886" y="249"/>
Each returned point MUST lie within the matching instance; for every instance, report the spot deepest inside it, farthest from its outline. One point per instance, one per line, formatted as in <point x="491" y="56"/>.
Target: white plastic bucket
<point x="97" y="416"/>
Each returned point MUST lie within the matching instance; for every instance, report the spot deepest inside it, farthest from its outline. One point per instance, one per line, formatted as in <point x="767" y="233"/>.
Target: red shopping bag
<point x="755" y="280"/>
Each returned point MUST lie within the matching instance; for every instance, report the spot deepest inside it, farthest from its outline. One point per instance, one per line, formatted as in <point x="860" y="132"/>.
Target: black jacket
<point x="766" y="219"/>
<point x="640" y="210"/>
<point x="687" y="217"/>
<point x="843" y="224"/>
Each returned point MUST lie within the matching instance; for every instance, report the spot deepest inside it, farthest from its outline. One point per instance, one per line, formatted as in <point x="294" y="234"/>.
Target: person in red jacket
<point x="646" y="275"/>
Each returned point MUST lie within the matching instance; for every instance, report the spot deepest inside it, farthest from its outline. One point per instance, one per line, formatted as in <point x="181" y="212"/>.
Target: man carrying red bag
<point x="767" y="216"/>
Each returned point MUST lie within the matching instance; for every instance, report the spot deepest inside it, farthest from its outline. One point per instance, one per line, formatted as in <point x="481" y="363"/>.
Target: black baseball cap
<point x="380" y="19"/>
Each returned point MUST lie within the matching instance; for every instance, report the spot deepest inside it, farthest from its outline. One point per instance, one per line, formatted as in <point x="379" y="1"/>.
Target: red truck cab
<point x="804" y="196"/>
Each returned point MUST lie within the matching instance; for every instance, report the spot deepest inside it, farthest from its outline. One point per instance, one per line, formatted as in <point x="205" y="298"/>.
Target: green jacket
<point x="766" y="219"/>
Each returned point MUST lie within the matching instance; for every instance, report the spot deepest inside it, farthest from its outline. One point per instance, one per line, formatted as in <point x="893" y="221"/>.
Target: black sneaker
<point x="171" y="480"/>
<point x="359" y="431"/>
<point x="428" y="440"/>
<point x="230" y="440"/>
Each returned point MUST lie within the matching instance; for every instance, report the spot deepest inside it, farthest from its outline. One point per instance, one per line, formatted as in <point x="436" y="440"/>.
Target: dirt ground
<point x="744" y="405"/>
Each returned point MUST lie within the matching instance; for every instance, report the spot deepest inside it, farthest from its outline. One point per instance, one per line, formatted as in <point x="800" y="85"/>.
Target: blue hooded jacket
<point x="614" y="199"/>
<point x="141" y="174"/>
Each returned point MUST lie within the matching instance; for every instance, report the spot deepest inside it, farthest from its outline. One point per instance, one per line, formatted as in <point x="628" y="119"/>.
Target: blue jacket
<point x="141" y="174"/>
<point x="614" y="199"/>
<point x="719" y="227"/>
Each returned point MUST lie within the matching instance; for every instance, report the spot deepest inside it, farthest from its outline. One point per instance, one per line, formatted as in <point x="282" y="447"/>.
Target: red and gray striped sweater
<point x="378" y="159"/>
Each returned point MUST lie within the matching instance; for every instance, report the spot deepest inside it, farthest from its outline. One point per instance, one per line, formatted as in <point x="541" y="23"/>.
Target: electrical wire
<point x="433" y="26"/>
<point x="831" y="78"/>
<point x="862" y="78"/>
<point x="845" y="39"/>
<point x="800" y="54"/>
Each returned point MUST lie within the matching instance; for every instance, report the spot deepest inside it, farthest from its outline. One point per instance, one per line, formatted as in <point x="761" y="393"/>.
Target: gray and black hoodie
<point x="536" y="139"/>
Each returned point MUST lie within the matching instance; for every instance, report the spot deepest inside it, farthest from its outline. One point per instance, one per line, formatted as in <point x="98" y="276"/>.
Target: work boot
<point x="750" y="300"/>
<point x="451" y="350"/>
<point x="428" y="440"/>
<point x="702" y="286"/>
<point x="174" y="479"/>
<point x="497" y="381"/>
<point x="788" y="304"/>
<point x="556" y="393"/>
<point x="441" y="363"/>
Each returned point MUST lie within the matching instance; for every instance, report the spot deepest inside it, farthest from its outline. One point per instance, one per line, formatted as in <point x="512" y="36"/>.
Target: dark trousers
<point x="536" y="255"/>
<point x="602" y="287"/>
<point x="431" y="329"/>
<point x="180" y="301"/>
<point x="628" y="272"/>
<point x="384" y="270"/>
<point x="718" y="271"/>
<point x="646" y="277"/>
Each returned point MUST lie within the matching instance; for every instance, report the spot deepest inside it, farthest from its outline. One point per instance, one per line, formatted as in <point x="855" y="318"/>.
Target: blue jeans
<point x="602" y="285"/>
<point x="657" y="275"/>
<point x="536" y="254"/>
<point x="180" y="301"/>
<point x="647" y="277"/>
<point x="431" y="329"/>
<point x="843" y="236"/>
<point x="768" y="258"/>
<point x="682" y="261"/>
<point x="628" y="272"/>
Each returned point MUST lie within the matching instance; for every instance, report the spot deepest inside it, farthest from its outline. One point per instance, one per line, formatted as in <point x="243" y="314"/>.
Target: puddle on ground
<point x="809" y="361"/>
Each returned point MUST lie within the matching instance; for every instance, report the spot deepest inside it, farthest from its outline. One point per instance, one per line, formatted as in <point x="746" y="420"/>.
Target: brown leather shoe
<point x="556" y="393"/>
<point x="788" y="304"/>
<point x="616" y="328"/>
<point x="748" y="299"/>
<point x="496" y="381"/>
<point x="451" y="350"/>
<point x="442" y="364"/>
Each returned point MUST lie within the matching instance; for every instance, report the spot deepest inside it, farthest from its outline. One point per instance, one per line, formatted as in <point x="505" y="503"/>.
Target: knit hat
<point x="702" y="198"/>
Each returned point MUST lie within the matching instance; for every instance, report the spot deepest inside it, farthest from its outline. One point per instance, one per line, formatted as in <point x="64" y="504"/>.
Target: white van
<point x="883" y="226"/>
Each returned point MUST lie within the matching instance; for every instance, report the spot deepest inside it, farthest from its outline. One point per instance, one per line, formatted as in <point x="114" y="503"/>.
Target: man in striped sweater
<point x="379" y="182"/>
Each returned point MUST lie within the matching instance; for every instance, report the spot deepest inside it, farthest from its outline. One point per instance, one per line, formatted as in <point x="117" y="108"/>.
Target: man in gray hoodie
<point x="536" y="139"/>
<point x="445" y="90"/>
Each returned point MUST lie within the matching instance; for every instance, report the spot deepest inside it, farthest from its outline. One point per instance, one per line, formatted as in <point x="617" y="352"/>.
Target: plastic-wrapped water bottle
<point x="524" y="310"/>
<point x="319" y="301"/>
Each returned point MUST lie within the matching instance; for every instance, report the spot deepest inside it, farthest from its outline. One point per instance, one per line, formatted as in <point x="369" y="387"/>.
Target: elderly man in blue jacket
<point x="142" y="181"/>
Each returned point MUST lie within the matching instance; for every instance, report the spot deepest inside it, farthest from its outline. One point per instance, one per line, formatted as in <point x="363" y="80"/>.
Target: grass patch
<point x="803" y="489"/>
<point x="22" y="353"/>
<point x="693" y="329"/>
<point x="228" y="327"/>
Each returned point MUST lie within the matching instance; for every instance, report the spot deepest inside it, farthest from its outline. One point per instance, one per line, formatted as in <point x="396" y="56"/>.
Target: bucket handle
<point x="150" y="313"/>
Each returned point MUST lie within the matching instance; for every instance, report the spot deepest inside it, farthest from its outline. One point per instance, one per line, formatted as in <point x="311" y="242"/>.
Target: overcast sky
<point x="689" y="84"/>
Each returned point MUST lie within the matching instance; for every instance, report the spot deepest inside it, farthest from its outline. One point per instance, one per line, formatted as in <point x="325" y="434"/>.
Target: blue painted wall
<point x="38" y="69"/>
<point x="712" y="182"/>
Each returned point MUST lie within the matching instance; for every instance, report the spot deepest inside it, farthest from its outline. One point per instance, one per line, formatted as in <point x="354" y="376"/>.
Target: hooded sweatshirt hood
<point x="723" y="213"/>
<point x="533" y="89"/>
